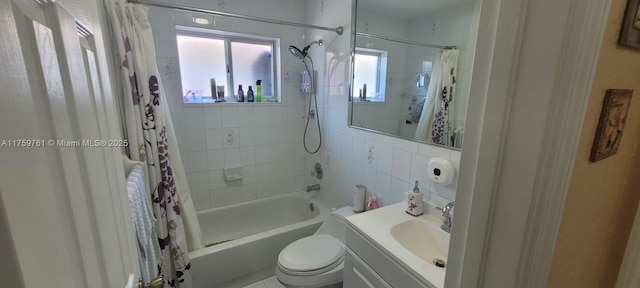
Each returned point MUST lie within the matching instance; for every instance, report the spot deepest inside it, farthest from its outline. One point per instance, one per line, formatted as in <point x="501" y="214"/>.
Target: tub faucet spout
<point x="315" y="187"/>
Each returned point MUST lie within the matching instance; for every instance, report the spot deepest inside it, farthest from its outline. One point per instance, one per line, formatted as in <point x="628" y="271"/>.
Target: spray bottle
<point x="259" y="91"/>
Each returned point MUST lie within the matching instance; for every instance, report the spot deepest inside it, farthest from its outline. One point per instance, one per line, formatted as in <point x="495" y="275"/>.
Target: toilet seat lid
<point x="311" y="253"/>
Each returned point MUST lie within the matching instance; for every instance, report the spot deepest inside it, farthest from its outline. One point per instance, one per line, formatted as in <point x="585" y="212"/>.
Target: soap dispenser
<point x="415" y="205"/>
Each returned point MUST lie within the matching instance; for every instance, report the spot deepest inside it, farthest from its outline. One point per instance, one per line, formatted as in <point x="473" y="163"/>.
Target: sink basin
<point x="422" y="239"/>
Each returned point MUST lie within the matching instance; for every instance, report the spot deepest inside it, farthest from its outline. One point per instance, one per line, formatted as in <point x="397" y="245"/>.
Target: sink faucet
<point x="446" y="212"/>
<point x="315" y="187"/>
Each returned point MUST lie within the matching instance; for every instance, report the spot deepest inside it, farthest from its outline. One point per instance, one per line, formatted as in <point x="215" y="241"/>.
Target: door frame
<point x="629" y="276"/>
<point x="577" y="69"/>
<point x="516" y="169"/>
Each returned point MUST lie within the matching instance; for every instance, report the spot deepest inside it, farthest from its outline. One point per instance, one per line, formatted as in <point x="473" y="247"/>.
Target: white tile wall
<point x="266" y="139"/>
<point x="254" y="136"/>
<point x="387" y="166"/>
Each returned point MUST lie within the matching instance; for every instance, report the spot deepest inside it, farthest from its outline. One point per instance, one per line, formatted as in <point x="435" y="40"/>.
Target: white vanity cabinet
<point x="367" y="266"/>
<point x="358" y="274"/>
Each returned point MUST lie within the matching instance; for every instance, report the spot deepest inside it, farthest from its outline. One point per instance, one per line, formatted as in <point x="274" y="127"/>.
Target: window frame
<point x="381" y="73"/>
<point x="229" y="38"/>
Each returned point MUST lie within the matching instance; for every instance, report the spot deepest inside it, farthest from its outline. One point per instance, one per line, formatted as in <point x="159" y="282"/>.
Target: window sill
<point x="208" y="101"/>
<point x="368" y="101"/>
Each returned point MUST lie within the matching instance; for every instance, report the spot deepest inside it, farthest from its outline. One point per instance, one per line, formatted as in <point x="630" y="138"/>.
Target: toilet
<point x="316" y="260"/>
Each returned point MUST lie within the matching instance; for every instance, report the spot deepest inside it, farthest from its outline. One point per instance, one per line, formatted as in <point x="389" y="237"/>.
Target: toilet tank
<point x="336" y="223"/>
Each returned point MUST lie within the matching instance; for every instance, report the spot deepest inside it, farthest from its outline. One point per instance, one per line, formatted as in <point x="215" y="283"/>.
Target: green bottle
<point x="259" y="91"/>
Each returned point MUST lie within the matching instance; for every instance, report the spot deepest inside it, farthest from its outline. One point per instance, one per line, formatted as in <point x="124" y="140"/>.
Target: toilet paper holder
<point x="441" y="171"/>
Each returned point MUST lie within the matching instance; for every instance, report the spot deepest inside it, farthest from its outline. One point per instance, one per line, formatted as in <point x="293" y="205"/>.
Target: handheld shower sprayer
<point x="301" y="54"/>
<point x="311" y="114"/>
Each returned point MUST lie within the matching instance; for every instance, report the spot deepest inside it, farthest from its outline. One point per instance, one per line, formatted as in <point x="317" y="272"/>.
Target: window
<point x="370" y="68"/>
<point x="231" y="59"/>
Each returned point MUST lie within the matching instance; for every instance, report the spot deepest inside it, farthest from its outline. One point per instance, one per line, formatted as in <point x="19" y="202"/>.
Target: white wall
<point x="265" y="139"/>
<point x="386" y="165"/>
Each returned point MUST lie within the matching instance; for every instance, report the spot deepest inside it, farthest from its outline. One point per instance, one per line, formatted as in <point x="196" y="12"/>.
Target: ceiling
<point x="408" y="9"/>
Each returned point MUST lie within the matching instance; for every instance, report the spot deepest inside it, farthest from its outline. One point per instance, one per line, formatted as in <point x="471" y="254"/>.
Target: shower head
<point x="302" y="54"/>
<point x="296" y="52"/>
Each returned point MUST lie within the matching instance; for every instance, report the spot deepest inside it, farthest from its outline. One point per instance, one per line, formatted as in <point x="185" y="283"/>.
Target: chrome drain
<point x="312" y="207"/>
<point x="439" y="263"/>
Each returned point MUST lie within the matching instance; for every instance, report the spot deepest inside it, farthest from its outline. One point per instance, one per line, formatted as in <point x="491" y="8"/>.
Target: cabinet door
<point x="358" y="275"/>
<point x="64" y="202"/>
<point x="358" y="280"/>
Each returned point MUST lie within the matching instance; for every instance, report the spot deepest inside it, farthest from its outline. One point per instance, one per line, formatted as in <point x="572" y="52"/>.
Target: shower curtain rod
<point x="367" y="35"/>
<point x="338" y="30"/>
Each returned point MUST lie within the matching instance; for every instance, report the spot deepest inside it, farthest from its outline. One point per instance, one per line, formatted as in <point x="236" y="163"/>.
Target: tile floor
<point x="266" y="283"/>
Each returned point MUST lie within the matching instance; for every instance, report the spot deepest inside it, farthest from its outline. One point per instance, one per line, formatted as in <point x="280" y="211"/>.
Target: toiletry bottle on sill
<point x="259" y="91"/>
<point x="250" y="95"/>
<point x="214" y="94"/>
<point x="240" y="94"/>
<point x="364" y="92"/>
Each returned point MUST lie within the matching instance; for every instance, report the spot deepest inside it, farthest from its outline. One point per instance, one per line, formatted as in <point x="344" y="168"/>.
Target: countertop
<point x="376" y="226"/>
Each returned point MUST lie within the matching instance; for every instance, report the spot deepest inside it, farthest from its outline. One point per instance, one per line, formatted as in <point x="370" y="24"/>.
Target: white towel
<point x="149" y="254"/>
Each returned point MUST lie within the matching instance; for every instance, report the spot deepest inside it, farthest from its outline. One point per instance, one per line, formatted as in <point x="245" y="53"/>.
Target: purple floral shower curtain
<point x="437" y="121"/>
<point x="152" y="140"/>
<point x="443" y="127"/>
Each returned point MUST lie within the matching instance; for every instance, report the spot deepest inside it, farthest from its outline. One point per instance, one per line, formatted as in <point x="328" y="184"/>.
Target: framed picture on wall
<point x="611" y="125"/>
<point x="630" y="32"/>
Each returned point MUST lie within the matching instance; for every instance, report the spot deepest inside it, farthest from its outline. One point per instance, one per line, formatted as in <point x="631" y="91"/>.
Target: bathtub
<point x="243" y="240"/>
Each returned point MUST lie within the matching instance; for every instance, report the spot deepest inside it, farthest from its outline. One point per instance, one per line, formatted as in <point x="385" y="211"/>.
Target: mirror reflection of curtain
<point x="437" y="122"/>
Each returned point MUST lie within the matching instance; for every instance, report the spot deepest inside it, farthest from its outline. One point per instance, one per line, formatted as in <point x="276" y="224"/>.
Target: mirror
<point x="411" y="68"/>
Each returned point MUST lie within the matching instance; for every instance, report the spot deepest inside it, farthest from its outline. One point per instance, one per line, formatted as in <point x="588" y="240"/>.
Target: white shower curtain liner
<point x="437" y="122"/>
<point x="152" y="140"/>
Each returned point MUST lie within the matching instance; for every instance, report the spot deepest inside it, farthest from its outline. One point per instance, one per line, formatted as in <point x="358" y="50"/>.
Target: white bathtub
<point x="250" y="236"/>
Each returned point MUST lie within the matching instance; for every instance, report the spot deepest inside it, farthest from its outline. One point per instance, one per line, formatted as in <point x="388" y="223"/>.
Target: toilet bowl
<point x="316" y="260"/>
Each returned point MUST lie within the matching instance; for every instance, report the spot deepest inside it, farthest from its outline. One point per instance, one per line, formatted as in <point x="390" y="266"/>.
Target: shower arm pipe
<point x="338" y="30"/>
<point x="367" y="35"/>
